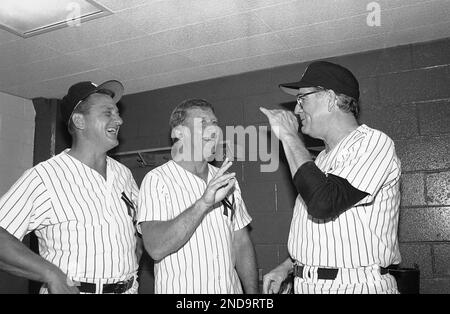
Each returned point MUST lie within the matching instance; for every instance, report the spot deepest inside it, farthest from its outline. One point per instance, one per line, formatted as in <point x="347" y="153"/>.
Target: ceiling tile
<point x="255" y="4"/>
<point x="333" y="31"/>
<point x="22" y="52"/>
<point x="338" y="48"/>
<point x="7" y="36"/>
<point x="118" y="5"/>
<point x="11" y="90"/>
<point x="215" y="31"/>
<point x="236" y="49"/>
<point x="218" y="8"/>
<point x="305" y="12"/>
<point x="42" y="70"/>
<point x="253" y="63"/>
<point x="125" y="51"/>
<point x="390" y="4"/>
<point x="89" y="34"/>
<point x="219" y="30"/>
<point x="57" y="88"/>
<point x="168" y="79"/>
<point x="151" y="66"/>
<point x="140" y="85"/>
<point x="420" y="34"/>
<point x="163" y="15"/>
<point x="419" y="15"/>
<point x="208" y="72"/>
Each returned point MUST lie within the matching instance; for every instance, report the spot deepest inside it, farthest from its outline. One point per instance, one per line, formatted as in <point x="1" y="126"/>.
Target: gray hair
<point x="179" y="114"/>
<point x="348" y="104"/>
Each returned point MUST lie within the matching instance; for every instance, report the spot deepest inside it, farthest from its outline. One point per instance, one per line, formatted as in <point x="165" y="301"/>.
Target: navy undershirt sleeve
<point x="326" y="196"/>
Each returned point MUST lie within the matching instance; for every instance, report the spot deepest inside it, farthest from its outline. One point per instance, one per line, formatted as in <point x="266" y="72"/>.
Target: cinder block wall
<point x="405" y="93"/>
<point x="16" y="155"/>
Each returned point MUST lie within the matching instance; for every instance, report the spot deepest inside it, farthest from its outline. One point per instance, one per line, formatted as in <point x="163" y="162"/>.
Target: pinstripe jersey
<point x="81" y="222"/>
<point x="205" y="264"/>
<point x="365" y="234"/>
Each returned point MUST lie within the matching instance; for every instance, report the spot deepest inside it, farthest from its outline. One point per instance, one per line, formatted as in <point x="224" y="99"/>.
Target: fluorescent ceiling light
<point x="28" y="18"/>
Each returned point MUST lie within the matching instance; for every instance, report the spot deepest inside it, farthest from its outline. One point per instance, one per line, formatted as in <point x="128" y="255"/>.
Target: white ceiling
<point x="158" y="43"/>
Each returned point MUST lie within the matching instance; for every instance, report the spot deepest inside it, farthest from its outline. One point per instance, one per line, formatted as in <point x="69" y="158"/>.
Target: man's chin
<point x="210" y="157"/>
<point x="304" y="130"/>
<point x="112" y="144"/>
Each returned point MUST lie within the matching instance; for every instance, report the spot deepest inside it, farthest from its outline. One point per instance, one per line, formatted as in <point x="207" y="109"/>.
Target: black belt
<point x="327" y="273"/>
<point x="116" y="288"/>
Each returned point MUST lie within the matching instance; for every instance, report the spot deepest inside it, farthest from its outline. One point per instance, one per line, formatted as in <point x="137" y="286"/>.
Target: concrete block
<point x="431" y="53"/>
<point x="434" y="117"/>
<point x="424" y="224"/>
<point x="153" y="120"/>
<point x="415" y="85"/>
<point x="286" y="196"/>
<point x="368" y="89"/>
<point x="435" y="286"/>
<point x="266" y="257"/>
<point x="424" y="153"/>
<point x="442" y="260"/>
<point x="131" y="115"/>
<point x="142" y="142"/>
<point x="259" y="196"/>
<point x="250" y="83"/>
<point x="399" y="122"/>
<point x="252" y="173"/>
<point x="412" y="189"/>
<point x="438" y="188"/>
<point x="283" y="252"/>
<point x="417" y="254"/>
<point x="380" y="61"/>
<point x="229" y="112"/>
<point x="271" y="228"/>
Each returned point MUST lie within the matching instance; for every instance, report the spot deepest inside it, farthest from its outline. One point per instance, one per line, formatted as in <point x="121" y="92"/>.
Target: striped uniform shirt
<point x="205" y="264"/>
<point x="366" y="234"/>
<point x="81" y="222"/>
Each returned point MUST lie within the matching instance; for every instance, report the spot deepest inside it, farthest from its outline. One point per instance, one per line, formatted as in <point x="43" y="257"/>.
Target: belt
<point x="116" y="288"/>
<point x="327" y="273"/>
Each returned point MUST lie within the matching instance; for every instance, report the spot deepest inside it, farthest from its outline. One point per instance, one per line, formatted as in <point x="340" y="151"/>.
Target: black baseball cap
<point x="327" y="75"/>
<point x="80" y="91"/>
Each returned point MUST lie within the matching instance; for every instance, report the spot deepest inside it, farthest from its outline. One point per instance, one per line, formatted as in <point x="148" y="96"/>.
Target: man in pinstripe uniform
<point x="192" y="215"/>
<point x="343" y="232"/>
<point x="79" y="203"/>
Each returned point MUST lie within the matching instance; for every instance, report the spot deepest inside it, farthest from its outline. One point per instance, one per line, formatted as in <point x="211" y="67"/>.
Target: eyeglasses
<point x="300" y="97"/>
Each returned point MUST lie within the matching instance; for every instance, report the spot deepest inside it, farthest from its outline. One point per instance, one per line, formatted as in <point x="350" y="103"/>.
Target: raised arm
<point x="162" y="238"/>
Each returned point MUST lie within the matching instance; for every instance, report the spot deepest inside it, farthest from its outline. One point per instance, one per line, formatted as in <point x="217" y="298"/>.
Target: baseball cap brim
<point x="292" y="88"/>
<point x="115" y="86"/>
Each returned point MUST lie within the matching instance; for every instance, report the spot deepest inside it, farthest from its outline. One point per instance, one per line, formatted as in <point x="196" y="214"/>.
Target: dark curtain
<point x="46" y="126"/>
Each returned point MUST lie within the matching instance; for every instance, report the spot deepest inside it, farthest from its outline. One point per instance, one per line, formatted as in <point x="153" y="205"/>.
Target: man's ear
<point x="332" y="102"/>
<point x="177" y="132"/>
<point x="78" y="121"/>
